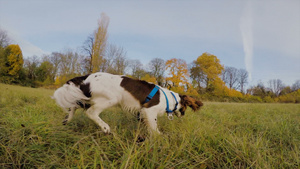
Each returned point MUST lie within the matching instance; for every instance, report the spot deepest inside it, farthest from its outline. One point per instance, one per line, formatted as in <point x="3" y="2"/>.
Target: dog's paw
<point x="106" y="129"/>
<point x="65" y="122"/>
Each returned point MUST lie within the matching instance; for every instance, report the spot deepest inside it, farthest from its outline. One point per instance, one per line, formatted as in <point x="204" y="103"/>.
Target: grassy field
<point x="221" y="135"/>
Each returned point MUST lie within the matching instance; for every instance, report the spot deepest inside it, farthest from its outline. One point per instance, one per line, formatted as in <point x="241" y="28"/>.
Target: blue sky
<point x="260" y="36"/>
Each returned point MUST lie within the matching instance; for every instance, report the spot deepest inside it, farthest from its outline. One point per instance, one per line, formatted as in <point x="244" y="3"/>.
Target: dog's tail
<point x="69" y="95"/>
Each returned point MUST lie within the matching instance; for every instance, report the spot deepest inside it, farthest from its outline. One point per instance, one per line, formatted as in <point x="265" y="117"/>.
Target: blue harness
<point x="154" y="91"/>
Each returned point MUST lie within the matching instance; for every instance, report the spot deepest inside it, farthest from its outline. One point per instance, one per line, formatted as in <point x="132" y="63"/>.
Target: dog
<point x="99" y="91"/>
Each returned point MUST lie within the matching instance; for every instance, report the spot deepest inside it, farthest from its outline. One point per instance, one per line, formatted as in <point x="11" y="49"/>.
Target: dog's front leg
<point x="70" y="115"/>
<point x="151" y="120"/>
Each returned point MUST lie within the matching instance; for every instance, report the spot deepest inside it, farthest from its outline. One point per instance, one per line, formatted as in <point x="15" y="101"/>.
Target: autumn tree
<point x="207" y="68"/>
<point x="178" y="72"/>
<point x="11" y="63"/>
<point x="95" y="46"/>
<point x="157" y="68"/>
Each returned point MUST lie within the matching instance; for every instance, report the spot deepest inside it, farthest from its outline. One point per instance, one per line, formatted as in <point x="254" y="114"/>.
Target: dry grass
<point x="221" y="135"/>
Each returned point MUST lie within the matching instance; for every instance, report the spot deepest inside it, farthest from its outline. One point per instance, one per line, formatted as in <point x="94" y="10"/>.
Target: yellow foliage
<point x="210" y="65"/>
<point x="149" y="78"/>
<point x="220" y="89"/>
<point x="14" y="59"/>
<point x="60" y="80"/>
<point x="293" y="97"/>
<point x="99" y="44"/>
<point x="178" y="71"/>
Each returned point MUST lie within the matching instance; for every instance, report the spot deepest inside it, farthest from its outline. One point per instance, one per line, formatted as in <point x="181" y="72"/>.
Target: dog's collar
<point x="169" y="112"/>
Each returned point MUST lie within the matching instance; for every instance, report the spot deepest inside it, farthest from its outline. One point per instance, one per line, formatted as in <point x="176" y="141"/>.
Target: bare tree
<point x="88" y="51"/>
<point x="115" y="60"/>
<point x="157" y="68"/>
<point x="230" y="77"/>
<point x="69" y="65"/>
<point x="296" y="85"/>
<point x="137" y="69"/>
<point x="4" y="39"/>
<point x="242" y="79"/>
<point x="276" y="86"/>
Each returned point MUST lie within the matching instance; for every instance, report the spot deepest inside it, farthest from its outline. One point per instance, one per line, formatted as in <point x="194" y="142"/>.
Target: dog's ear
<point x="191" y="102"/>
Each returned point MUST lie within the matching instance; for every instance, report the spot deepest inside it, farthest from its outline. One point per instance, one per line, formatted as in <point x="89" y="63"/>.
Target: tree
<point x="115" y="60"/>
<point x="178" y="70"/>
<point x="100" y="39"/>
<point x="88" y="50"/>
<point x="4" y="39"/>
<point x="95" y="46"/>
<point x="242" y="79"/>
<point x="55" y="60"/>
<point x="286" y="90"/>
<point x="197" y="76"/>
<point x="30" y="66"/>
<point x="276" y="86"/>
<point x="11" y="63"/>
<point x="69" y="66"/>
<point x="157" y="68"/>
<point x="137" y="69"/>
<point x="230" y="77"/>
<point x="258" y="90"/>
<point x="209" y="67"/>
<point x="44" y="71"/>
<point x="296" y="85"/>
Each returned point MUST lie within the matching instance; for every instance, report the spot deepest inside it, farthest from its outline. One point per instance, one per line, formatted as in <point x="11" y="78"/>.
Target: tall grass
<point x="221" y="135"/>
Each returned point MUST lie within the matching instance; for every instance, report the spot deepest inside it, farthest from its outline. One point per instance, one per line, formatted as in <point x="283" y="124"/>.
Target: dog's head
<point x="187" y="101"/>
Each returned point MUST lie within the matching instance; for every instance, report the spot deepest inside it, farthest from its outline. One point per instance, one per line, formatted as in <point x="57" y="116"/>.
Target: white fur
<point x="107" y="92"/>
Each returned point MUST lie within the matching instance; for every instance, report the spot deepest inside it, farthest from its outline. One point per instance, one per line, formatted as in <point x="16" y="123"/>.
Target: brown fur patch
<point x="191" y="102"/>
<point x="140" y="89"/>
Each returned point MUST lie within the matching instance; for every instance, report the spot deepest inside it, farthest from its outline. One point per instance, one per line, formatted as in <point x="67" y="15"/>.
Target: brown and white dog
<point x="99" y="91"/>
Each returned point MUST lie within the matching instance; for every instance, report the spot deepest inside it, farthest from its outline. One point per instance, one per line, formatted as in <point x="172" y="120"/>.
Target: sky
<point x="261" y="36"/>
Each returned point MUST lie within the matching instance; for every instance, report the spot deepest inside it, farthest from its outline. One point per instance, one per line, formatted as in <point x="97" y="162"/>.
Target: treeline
<point x="205" y="77"/>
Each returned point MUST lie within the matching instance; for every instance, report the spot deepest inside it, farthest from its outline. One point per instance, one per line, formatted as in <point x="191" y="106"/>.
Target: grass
<point x="221" y="135"/>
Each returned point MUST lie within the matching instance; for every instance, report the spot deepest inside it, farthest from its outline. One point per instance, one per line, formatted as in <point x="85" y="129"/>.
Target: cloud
<point x="28" y="49"/>
<point x="246" y="27"/>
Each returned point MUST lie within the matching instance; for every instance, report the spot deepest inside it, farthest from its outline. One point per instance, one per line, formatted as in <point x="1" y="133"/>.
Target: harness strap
<point x="176" y="104"/>
<point x="151" y="95"/>
<point x="167" y="109"/>
<point x="154" y="91"/>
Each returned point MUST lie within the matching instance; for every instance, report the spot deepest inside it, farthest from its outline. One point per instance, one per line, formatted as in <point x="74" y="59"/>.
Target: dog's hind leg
<point x="70" y="115"/>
